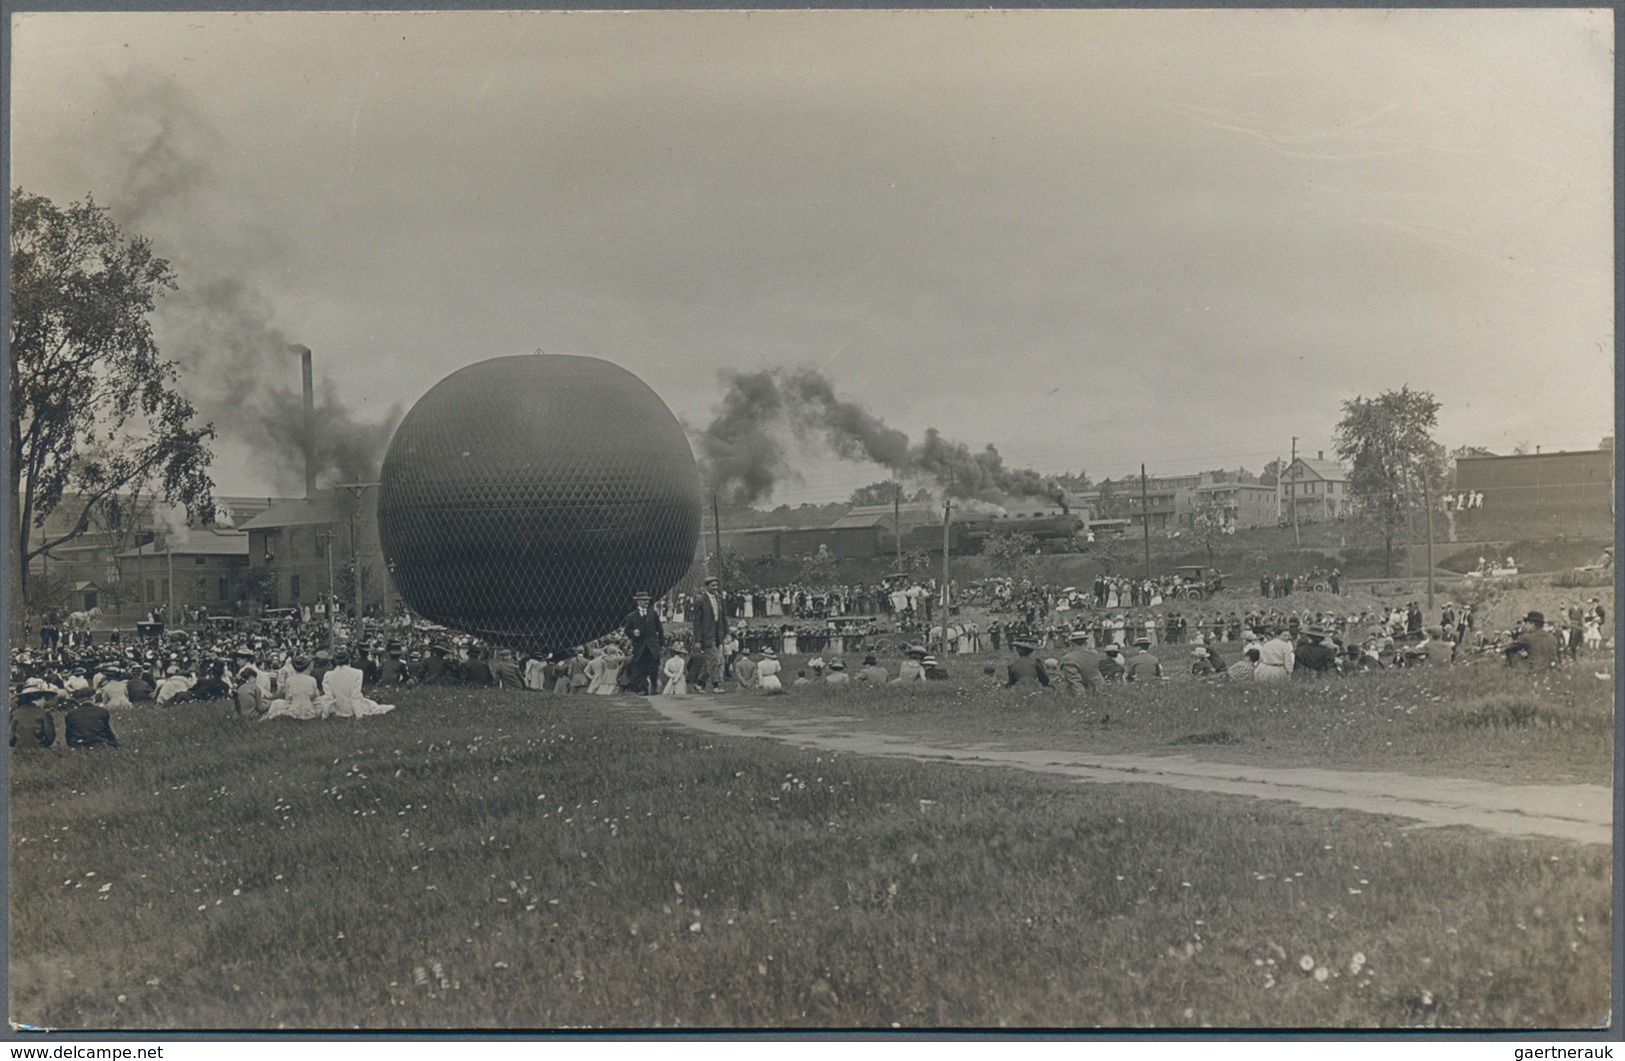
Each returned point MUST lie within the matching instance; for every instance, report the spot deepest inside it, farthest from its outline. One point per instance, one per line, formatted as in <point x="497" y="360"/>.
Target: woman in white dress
<point x="299" y="695"/>
<point x="676" y="671"/>
<point x="767" y="672"/>
<point x="342" y="693"/>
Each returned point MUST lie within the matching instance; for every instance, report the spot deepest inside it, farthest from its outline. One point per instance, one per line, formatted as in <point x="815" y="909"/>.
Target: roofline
<point x="1521" y="456"/>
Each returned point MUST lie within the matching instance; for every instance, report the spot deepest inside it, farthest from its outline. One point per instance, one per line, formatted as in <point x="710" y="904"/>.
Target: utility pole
<point x="358" y="490"/>
<point x="947" y="518"/>
<point x="328" y="538"/>
<point x="722" y="578"/>
<point x="897" y="517"/>
<point x="1427" y="503"/>
<point x="1297" y="542"/>
<point x="1145" y="519"/>
<point x="169" y="555"/>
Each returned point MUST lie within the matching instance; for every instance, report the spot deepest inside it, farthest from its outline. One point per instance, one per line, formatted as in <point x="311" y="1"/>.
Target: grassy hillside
<point x="504" y="860"/>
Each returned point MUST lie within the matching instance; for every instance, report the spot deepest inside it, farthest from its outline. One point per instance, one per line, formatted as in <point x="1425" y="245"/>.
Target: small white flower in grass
<point x="124" y="998"/>
<point x="695" y="927"/>
<point x="1306" y="963"/>
<point x="106" y="887"/>
<point x="205" y="906"/>
<point x="236" y="891"/>
<point x="1322" y="973"/>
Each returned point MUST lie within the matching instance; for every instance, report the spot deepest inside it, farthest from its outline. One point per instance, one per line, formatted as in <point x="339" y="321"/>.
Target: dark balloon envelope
<point x="526" y="499"/>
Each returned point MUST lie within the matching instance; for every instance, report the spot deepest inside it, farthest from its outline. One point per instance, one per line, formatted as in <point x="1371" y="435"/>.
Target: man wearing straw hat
<point x="710" y="633"/>
<point x="1080" y="667"/>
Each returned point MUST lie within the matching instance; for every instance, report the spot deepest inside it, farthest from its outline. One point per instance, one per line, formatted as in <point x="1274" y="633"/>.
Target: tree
<point x="885" y="492"/>
<point x="1112" y="505"/>
<point x="730" y="570"/>
<point x="1010" y="553"/>
<point x="818" y="569"/>
<point x="1210" y="520"/>
<point x="1394" y="461"/>
<point x="1271" y="475"/>
<point x="94" y="407"/>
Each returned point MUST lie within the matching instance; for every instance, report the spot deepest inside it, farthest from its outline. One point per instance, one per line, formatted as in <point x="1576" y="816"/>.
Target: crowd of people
<point x="288" y="670"/>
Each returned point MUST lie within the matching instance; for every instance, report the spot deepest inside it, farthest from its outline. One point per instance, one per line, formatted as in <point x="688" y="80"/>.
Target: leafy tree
<point x="257" y="585"/>
<point x="1209" y="521"/>
<point x="1112" y="504"/>
<point x="819" y="568"/>
<point x="94" y="407"/>
<point x="1271" y="475"/>
<point x="1010" y="553"/>
<point x="730" y="569"/>
<point x="1388" y="442"/>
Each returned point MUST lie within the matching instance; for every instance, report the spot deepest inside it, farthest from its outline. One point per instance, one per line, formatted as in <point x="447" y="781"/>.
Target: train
<point x="966" y="537"/>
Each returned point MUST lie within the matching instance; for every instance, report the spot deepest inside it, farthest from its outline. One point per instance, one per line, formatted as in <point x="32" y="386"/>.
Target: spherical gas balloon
<point x="526" y="499"/>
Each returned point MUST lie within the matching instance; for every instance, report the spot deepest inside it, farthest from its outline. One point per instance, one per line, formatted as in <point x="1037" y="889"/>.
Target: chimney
<point x="1320" y="454"/>
<point x="1537" y="449"/>
<point x="310" y="420"/>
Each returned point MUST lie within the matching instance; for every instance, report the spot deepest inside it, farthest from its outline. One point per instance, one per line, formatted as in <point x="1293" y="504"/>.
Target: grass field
<point x="1480" y="721"/>
<point x="509" y="860"/>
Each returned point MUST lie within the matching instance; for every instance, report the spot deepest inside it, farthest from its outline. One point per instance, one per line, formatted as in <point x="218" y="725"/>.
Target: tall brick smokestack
<point x="310" y="420"/>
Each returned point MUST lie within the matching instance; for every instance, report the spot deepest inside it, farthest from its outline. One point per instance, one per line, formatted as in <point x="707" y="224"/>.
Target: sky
<point x="1090" y="238"/>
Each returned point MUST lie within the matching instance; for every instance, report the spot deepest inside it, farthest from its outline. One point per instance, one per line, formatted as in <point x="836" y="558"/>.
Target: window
<point x="224" y="594"/>
<point x="293" y="543"/>
<point x="200" y="560"/>
<point x="293" y="587"/>
<point x="202" y="589"/>
<point x="151" y="594"/>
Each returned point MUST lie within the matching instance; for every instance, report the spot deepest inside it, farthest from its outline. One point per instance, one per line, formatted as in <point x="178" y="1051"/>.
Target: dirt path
<point x="1581" y="813"/>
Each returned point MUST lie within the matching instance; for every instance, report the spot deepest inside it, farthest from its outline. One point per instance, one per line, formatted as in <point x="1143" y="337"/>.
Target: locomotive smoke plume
<point x="237" y="365"/>
<point x="744" y="457"/>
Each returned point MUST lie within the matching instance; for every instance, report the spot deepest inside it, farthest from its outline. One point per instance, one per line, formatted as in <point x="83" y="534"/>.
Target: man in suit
<point x="89" y="725"/>
<point x="710" y="631"/>
<point x="646" y="634"/>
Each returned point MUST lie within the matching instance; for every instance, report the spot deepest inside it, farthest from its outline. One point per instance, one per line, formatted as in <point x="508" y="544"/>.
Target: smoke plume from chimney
<point x="237" y="368"/>
<point x="744" y="457"/>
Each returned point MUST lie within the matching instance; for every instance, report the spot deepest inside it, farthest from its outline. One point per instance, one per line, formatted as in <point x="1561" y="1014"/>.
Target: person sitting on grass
<point x="911" y="669"/>
<point x="873" y="672"/>
<point x="89" y="725"/>
<point x="251" y="699"/>
<point x="1024" y="667"/>
<point x="1536" y="645"/>
<point x="1111" y="667"/>
<point x="745" y="671"/>
<point x="1242" y="669"/>
<point x="343" y="690"/>
<point x="31" y="723"/>
<point x="299" y="693"/>
<point x="505" y="671"/>
<point x="801" y="679"/>
<point x="1080" y="666"/>
<point x="837" y="673"/>
<point x="933" y="671"/>
<point x="1202" y="663"/>
<point x="1144" y="666"/>
<point x="767" y="672"/>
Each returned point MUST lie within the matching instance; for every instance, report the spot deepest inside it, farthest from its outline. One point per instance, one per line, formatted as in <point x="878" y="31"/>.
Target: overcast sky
<point x="1091" y="238"/>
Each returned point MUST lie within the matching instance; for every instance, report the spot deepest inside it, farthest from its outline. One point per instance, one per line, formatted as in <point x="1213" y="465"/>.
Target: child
<point x="676" y="671"/>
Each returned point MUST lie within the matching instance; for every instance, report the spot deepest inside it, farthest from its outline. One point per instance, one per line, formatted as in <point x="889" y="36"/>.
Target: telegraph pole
<point x="1293" y="467"/>
<point x="722" y="578"/>
<point x="1427" y="503"/>
<point x="328" y="538"/>
<point x="897" y="517"/>
<point x="358" y="490"/>
<point x="947" y="517"/>
<point x="1145" y="519"/>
